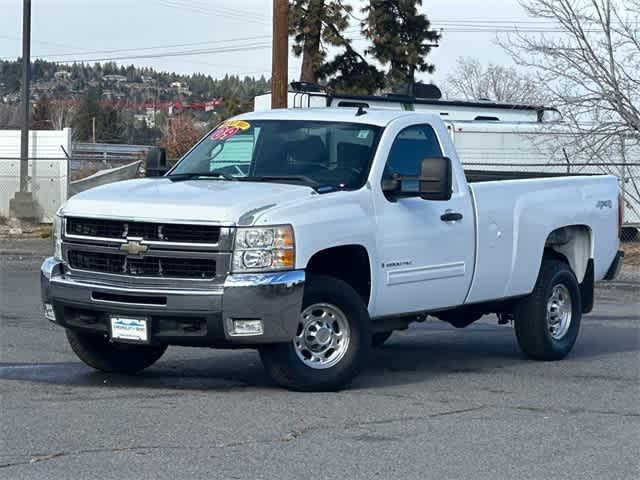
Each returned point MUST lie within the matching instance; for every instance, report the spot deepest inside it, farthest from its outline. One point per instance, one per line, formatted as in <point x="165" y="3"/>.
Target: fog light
<point x="244" y="327"/>
<point x="49" y="313"/>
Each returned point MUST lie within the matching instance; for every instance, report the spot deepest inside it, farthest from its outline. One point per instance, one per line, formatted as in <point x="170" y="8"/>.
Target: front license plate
<point x="129" y="329"/>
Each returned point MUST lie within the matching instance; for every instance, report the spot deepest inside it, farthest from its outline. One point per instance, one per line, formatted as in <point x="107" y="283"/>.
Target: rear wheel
<point x="99" y="353"/>
<point x="332" y="341"/>
<point x="547" y="322"/>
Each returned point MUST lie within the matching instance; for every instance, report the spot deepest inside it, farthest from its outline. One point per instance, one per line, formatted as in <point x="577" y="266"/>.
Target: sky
<point x="222" y="36"/>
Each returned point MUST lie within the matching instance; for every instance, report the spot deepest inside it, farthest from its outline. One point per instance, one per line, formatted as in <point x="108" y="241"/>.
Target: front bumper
<point x="181" y="317"/>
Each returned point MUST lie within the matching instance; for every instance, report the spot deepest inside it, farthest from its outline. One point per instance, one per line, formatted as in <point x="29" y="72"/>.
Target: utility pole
<point x="26" y="77"/>
<point x="280" y="54"/>
<point x="93" y="128"/>
<point x="22" y="205"/>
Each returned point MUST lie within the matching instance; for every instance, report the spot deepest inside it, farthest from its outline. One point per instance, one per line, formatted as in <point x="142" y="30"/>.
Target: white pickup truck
<point x="311" y="235"/>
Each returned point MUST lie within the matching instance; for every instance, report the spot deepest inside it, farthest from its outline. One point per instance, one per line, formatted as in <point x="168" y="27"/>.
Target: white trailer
<point x="446" y="109"/>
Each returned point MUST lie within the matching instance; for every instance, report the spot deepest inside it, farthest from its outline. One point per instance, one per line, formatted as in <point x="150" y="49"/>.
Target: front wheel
<point x="98" y="352"/>
<point x="332" y="341"/>
<point x="548" y="320"/>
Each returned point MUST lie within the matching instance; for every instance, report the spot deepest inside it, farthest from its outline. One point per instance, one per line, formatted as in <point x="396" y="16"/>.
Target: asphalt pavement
<point x="434" y="403"/>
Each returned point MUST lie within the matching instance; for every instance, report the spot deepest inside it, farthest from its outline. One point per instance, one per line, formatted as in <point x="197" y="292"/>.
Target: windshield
<point x="320" y="154"/>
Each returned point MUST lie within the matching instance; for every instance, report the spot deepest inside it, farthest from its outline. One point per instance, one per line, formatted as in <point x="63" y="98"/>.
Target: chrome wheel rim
<point x="322" y="337"/>
<point x="559" y="309"/>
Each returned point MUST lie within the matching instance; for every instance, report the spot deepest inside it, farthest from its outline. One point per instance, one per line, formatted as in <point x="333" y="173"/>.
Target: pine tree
<point x="349" y="72"/>
<point x="109" y="128"/>
<point x="400" y="37"/>
<point x="314" y="25"/>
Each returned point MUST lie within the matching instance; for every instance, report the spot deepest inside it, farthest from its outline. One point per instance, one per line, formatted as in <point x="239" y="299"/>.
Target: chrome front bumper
<point x="181" y="317"/>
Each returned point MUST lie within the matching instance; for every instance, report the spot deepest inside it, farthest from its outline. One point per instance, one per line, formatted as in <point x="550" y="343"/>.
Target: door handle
<point x="451" y="216"/>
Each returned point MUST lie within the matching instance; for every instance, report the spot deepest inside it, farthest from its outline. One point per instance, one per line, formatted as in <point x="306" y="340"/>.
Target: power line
<point x="239" y="48"/>
<point x="231" y="45"/>
<point x="208" y="9"/>
<point x="174" y="45"/>
<point x="505" y="30"/>
<point x="447" y="26"/>
<point x="220" y="12"/>
<point x="233" y="11"/>
<point x="156" y="47"/>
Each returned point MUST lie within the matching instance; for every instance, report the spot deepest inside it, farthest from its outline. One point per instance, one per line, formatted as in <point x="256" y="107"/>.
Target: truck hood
<point x="230" y="202"/>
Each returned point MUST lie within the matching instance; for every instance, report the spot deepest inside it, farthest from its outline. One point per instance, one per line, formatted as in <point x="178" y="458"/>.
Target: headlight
<point x="57" y="237"/>
<point x="264" y="248"/>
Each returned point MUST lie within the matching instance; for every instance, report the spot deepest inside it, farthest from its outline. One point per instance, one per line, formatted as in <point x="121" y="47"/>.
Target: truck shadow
<point x="416" y="356"/>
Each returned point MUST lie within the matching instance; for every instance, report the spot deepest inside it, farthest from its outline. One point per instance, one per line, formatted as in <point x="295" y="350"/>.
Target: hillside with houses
<point x="119" y="82"/>
<point x="123" y="104"/>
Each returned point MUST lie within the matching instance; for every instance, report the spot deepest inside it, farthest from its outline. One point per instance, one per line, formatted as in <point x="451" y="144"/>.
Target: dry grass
<point x="25" y="230"/>
<point x="631" y="253"/>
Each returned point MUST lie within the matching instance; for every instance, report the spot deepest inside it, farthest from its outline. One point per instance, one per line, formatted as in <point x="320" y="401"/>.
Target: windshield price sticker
<point x="229" y="128"/>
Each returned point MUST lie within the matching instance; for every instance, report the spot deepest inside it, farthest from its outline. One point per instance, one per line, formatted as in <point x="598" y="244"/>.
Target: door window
<point x="411" y="146"/>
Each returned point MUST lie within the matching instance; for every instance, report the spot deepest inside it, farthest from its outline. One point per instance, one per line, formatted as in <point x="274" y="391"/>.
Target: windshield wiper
<point x="295" y="178"/>
<point x="317" y="186"/>
<point x="176" y="177"/>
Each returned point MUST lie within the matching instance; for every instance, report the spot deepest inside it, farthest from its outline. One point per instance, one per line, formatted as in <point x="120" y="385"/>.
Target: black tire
<point x="378" y="338"/>
<point x="530" y="315"/>
<point x="99" y="353"/>
<point x="286" y="368"/>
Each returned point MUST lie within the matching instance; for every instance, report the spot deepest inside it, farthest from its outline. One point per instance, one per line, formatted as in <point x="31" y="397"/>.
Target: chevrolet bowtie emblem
<point x="133" y="247"/>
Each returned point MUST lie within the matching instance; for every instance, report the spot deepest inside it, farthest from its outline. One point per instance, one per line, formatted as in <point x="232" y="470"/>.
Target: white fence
<point x="48" y="169"/>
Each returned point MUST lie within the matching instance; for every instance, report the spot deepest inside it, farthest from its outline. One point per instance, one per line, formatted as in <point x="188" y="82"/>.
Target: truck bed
<point x="477" y="176"/>
<point x="514" y="219"/>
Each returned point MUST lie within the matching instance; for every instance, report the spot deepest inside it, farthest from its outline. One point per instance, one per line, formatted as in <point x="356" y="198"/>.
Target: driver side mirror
<point x="436" y="178"/>
<point x="434" y="182"/>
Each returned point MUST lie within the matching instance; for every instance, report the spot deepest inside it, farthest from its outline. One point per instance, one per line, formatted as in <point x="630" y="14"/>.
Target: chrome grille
<point x="160" y="232"/>
<point x="147" y="266"/>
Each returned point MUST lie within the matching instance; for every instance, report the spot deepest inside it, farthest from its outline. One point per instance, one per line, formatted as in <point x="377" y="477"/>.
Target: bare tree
<point x="591" y="67"/>
<point x="62" y="113"/>
<point x="471" y="80"/>
<point x="591" y="70"/>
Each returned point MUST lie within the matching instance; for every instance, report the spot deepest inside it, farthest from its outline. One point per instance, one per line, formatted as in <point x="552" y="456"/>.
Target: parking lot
<point x="435" y="402"/>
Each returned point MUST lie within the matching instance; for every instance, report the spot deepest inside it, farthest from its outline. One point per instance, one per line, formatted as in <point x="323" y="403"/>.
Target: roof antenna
<point x="361" y="111"/>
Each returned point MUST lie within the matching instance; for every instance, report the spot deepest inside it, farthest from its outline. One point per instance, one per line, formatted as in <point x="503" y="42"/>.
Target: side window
<point x="411" y="146"/>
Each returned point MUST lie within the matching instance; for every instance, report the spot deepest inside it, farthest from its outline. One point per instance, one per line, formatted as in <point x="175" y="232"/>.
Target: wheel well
<point x="349" y="263"/>
<point x="572" y="244"/>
